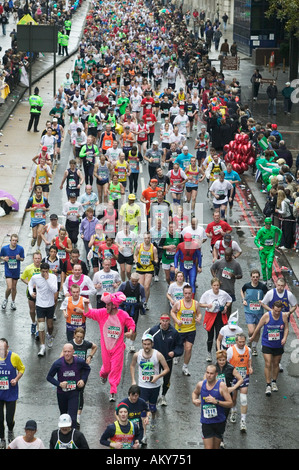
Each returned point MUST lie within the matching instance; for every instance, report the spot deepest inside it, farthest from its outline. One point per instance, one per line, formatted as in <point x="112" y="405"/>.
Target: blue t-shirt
<point x="12" y="266"/>
<point x="232" y="176"/>
<point x="183" y="160"/>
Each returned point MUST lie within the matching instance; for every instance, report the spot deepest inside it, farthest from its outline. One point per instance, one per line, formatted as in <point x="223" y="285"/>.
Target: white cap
<point x="65" y="421"/>
<point x="147" y="336"/>
<point x="233" y="320"/>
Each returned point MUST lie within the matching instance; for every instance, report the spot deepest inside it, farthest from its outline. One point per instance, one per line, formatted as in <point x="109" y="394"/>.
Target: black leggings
<point x="88" y="172"/>
<point x="133" y="182"/>
<point x="166" y="378"/>
<point x="218" y="324"/>
<point x="10" y="414"/>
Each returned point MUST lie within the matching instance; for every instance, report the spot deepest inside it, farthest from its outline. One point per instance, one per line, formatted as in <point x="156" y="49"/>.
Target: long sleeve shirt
<point x="45" y="289"/>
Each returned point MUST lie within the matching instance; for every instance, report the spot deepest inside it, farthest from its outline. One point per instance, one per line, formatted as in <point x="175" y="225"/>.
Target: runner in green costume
<point x="265" y="241"/>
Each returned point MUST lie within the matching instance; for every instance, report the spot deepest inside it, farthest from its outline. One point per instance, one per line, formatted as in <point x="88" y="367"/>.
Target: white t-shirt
<point x="106" y="280"/>
<point x="113" y="154"/>
<point x="229" y="335"/>
<point x="126" y="242"/>
<point x="19" y="443"/>
<point x="218" y="300"/>
<point x="221" y="188"/>
<point x="198" y="234"/>
<point x="181" y="121"/>
<point x="235" y="246"/>
<point x="176" y="291"/>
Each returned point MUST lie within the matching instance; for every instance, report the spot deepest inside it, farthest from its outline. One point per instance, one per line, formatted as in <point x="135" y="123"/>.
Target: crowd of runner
<point x="143" y="85"/>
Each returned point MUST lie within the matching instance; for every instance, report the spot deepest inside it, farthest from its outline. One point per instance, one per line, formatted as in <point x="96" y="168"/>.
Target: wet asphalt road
<point x="271" y="422"/>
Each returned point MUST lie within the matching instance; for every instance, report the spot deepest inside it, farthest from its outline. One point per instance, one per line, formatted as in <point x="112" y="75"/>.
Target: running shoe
<point x="209" y="357"/>
<point x="144" y="441"/>
<point x="10" y="436"/>
<point x="163" y="401"/>
<point x="156" y="279"/>
<point x="50" y="341"/>
<point x="33" y="328"/>
<point x="175" y="360"/>
<point x="280" y="368"/>
<point x="243" y="427"/>
<point x="13" y="306"/>
<point x="233" y="417"/>
<point x="185" y="371"/>
<point x="254" y="351"/>
<point x="33" y="241"/>
<point x="132" y="349"/>
<point x="4" y="304"/>
<point x="103" y="380"/>
<point x="153" y="424"/>
<point x="268" y="391"/>
<point x="112" y="397"/>
<point x="274" y="387"/>
<point x="42" y="350"/>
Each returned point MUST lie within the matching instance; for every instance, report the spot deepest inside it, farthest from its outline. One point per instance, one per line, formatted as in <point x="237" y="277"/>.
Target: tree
<point x="287" y="12"/>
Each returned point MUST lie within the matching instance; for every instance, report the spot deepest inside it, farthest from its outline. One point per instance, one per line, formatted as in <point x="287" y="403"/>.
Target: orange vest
<point x="107" y="141"/>
<point x="75" y="318"/>
<point x="240" y="361"/>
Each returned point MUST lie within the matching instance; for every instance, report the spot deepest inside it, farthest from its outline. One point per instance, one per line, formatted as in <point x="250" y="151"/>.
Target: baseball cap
<point x="232" y="324"/>
<point x="131" y="196"/>
<point x="53" y="217"/>
<point x="154" y="180"/>
<point x="55" y="120"/>
<point x="31" y="425"/>
<point x="44" y="148"/>
<point x="187" y="236"/>
<point x="147" y="336"/>
<point x="99" y="227"/>
<point x="185" y="147"/>
<point x="73" y="195"/>
<point x="155" y="142"/>
<point x="64" y="421"/>
<point x="288" y="83"/>
<point x="227" y="237"/>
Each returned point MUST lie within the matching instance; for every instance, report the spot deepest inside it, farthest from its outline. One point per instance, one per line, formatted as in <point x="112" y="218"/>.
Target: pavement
<point x="17" y="146"/>
<point x="16" y="153"/>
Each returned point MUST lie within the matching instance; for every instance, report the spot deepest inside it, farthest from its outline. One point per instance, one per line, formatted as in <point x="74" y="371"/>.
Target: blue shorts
<point x="244" y="384"/>
<point x="150" y="395"/>
<point x="188" y="336"/>
<point x="252" y="318"/>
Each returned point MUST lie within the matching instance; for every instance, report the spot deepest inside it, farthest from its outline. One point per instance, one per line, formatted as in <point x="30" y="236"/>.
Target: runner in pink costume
<point x="112" y="322"/>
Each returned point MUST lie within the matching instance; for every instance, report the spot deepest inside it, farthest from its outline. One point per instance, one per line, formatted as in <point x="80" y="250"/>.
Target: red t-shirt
<point x="149" y="119"/>
<point x="150" y="195"/>
<point x="105" y="253"/>
<point x="215" y="228"/>
<point x="147" y="103"/>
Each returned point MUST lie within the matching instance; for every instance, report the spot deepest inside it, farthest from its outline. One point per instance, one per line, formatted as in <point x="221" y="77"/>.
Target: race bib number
<point x="209" y="411"/>
<point x="113" y="332"/>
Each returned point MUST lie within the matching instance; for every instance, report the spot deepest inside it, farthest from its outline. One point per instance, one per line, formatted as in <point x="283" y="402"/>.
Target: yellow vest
<point x="125" y="439"/>
<point x="187" y="316"/>
<point x="121" y="170"/>
<point x="145" y="258"/>
<point x="41" y="176"/>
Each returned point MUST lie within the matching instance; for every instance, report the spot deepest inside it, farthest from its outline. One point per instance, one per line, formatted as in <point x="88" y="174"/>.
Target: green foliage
<point x="286" y="11"/>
